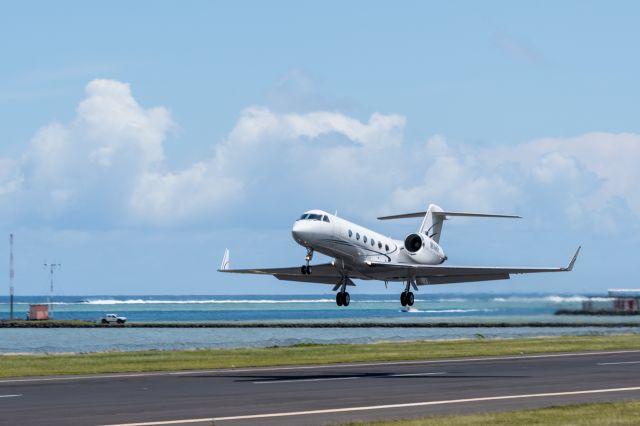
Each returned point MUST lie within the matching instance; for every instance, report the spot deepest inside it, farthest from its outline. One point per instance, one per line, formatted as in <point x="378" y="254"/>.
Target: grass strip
<point x="600" y="414"/>
<point x="155" y="360"/>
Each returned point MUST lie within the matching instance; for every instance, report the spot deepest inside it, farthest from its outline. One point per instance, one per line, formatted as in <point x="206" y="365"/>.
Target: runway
<point x="311" y="395"/>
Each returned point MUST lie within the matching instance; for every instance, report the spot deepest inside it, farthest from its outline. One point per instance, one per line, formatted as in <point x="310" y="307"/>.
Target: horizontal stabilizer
<point x="450" y="214"/>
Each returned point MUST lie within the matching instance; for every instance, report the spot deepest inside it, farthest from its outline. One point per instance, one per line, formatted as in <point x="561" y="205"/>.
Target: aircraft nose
<point x="300" y="231"/>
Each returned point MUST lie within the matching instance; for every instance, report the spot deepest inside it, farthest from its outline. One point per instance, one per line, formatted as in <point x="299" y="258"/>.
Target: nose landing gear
<point x="306" y="268"/>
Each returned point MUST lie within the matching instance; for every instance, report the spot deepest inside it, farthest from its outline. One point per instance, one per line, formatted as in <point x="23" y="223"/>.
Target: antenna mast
<point x="11" y="275"/>
<point x="52" y="267"/>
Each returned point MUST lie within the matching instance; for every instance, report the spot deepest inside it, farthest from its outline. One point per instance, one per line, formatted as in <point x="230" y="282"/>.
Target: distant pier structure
<point x="619" y="301"/>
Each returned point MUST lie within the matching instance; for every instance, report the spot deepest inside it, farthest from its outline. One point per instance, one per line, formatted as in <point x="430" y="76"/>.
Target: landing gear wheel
<point x="308" y="269"/>
<point x="346" y="299"/>
<point x="403" y="298"/>
<point x="304" y="269"/>
<point x="339" y="299"/>
<point x="409" y="298"/>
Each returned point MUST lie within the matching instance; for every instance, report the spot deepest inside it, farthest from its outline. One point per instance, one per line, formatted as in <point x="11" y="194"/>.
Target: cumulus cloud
<point x="108" y="163"/>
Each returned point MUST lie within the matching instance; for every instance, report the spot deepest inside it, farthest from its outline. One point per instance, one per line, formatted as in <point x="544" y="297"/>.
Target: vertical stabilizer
<point x="432" y="222"/>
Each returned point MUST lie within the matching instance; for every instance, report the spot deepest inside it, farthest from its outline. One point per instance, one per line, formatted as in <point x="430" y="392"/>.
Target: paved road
<point x="322" y="394"/>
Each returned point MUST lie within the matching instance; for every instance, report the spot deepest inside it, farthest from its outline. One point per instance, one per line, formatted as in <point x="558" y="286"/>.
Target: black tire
<point x="309" y="270"/>
<point x="303" y="269"/>
<point x="339" y="299"/>
<point x="403" y="298"/>
<point x="410" y="298"/>
<point x="104" y="321"/>
<point x="346" y="299"/>
<point x="120" y="322"/>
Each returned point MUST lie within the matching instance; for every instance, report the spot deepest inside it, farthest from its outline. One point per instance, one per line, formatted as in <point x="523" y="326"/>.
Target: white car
<point x="113" y="318"/>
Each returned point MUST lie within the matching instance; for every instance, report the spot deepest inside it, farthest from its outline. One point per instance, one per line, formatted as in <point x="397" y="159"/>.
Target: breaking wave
<point x="198" y="302"/>
<point x="551" y="299"/>
<point x="444" y="311"/>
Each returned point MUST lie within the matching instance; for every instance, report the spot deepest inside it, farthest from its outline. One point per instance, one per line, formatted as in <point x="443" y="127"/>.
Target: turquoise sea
<point x="450" y="307"/>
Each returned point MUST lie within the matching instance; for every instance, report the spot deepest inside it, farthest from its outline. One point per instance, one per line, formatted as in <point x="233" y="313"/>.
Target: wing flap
<point x="324" y="273"/>
<point x="439" y="274"/>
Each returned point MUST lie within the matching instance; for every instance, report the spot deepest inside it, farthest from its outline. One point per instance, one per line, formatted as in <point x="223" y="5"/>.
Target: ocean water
<point x="480" y="308"/>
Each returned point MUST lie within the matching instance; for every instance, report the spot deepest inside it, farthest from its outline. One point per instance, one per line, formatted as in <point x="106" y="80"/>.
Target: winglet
<point x="573" y="260"/>
<point x="225" y="261"/>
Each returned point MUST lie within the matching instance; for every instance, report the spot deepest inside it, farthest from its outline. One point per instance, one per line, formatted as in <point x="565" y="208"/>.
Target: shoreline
<point x="369" y="324"/>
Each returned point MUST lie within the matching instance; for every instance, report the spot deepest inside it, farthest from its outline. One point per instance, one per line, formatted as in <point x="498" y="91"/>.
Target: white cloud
<point x="109" y="163"/>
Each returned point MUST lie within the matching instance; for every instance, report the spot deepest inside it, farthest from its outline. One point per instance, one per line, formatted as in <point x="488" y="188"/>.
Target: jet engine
<point x="413" y="243"/>
<point x="419" y="252"/>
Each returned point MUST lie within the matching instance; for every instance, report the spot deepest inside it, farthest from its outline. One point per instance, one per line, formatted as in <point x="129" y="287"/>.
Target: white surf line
<point x="316" y="366"/>
<point x="327" y="379"/>
<point x="10" y="396"/>
<point x="378" y="407"/>
<point x="618" y="363"/>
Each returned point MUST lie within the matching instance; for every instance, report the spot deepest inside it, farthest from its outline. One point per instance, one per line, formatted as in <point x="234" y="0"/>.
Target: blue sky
<point x="139" y="140"/>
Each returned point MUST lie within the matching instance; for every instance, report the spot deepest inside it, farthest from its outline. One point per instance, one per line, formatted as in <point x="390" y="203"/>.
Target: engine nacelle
<point x="420" y="249"/>
<point x="413" y="243"/>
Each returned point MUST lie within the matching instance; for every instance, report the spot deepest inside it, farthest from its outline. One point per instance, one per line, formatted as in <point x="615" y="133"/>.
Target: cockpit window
<point x="304" y="216"/>
<point x="313" y="216"/>
<point x="325" y="218"/>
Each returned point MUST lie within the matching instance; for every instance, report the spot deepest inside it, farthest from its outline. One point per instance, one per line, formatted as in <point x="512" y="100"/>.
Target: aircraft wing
<point x="439" y="274"/>
<point x="324" y="273"/>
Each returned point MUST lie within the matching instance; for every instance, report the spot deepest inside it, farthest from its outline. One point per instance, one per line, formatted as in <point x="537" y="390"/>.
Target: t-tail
<point x="434" y="218"/>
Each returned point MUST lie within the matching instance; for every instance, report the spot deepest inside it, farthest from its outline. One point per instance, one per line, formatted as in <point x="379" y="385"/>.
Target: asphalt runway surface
<point x="324" y="394"/>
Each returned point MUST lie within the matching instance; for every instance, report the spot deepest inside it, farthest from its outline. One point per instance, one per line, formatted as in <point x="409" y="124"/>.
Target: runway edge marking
<point x="377" y="407"/>
<point x="313" y="366"/>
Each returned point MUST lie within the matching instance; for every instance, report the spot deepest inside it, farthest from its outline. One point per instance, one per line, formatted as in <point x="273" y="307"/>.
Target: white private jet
<point x="359" y="253"/>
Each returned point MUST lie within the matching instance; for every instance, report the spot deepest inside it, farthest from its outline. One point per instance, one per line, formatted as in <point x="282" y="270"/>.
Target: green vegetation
<point x="112" y="362"/>
<point x="602" y="414"/>
<point x="47" y="324"/>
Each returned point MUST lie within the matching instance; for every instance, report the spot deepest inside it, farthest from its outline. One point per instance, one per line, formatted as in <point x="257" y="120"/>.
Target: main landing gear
<point x="306" y="268"/>
<point x="343" y="298"/>
<point x="406" y="297"/>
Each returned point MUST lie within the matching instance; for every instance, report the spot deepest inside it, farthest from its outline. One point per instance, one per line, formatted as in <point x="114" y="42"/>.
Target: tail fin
<point x="432" y="222"/>
<point x="434" y="217"/>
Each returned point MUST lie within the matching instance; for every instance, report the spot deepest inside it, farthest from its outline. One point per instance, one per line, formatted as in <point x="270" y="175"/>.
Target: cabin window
<point x="386" y="247"/>
<point x="357" y="235"/>
<point x="325" y="218"/>
<point x="364" y="238"/>
<point x="379" y="245"/>
<point x="350" y="233"/>
<point x="373" y="243"/>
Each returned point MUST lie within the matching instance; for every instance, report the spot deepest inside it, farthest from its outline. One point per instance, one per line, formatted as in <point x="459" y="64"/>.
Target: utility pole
<point x="52" y="267"/>
<point x="11" y="275"/>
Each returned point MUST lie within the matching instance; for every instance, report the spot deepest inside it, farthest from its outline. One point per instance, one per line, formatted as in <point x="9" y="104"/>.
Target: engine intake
<point x="413" y="243"/>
